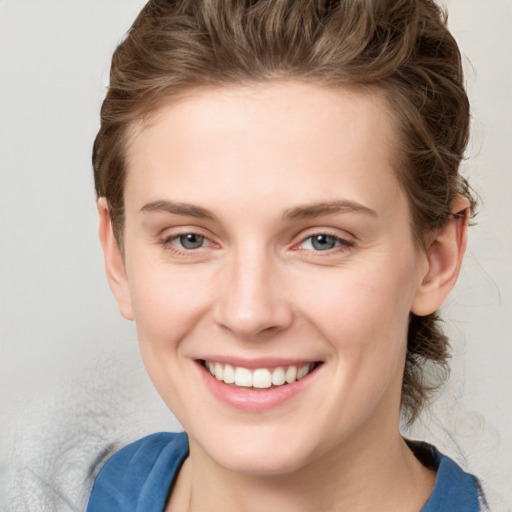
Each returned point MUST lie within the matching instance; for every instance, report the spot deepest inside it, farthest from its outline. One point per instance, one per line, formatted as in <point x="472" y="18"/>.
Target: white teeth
<point x="278" y="378"/>
<point x="243" y="377"/>
<point x="291" y="374"/>
<point x="261" y="378"/>
<point x="219" y="371"/>
<point x="229" y="374"/>
<point x="302" y="371"/>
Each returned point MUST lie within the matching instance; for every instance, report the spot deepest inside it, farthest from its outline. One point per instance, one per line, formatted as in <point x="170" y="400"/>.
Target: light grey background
<point x="70" y="378"/>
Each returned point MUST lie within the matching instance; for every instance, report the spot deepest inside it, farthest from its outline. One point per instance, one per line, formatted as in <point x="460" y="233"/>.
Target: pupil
<point x="323" y="242"/>
<point x="191" y="241"/>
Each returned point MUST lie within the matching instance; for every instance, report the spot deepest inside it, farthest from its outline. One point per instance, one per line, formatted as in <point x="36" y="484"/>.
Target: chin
<point x="262" y="463"/>
<point x="261" y="451"/>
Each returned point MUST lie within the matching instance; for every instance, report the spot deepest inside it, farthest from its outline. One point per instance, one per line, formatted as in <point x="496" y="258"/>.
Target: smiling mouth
<point x="259" y="378"/>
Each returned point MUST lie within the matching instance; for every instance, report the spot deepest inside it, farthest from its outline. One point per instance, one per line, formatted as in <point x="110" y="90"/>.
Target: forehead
<point x="302" y="139"/>
<point x="307" y="106"/>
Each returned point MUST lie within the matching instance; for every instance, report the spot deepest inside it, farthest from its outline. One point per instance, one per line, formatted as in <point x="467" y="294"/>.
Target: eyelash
<point x="168" y="244"/>
<point x="341" y="244"/>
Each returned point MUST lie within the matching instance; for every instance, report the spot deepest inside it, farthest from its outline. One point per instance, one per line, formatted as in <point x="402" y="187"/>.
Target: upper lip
<point x="259" y="362"/>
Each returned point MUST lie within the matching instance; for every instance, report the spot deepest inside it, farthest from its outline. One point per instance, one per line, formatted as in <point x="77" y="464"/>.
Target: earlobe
<point x="444" y="257"/>
<point x="114" y="262"/>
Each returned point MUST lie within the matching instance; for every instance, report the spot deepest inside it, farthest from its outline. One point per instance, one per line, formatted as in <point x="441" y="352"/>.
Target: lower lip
<point x="250" y="400"/>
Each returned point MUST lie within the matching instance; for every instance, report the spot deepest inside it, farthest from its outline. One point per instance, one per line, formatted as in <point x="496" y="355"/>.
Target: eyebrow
<point x="187" y="209"/>
<point x="326" y="208"/>
<point x="297" y="212"/>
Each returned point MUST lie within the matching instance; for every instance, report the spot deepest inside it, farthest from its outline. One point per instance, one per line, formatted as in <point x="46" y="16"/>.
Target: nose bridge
<point x="251" y="300"/>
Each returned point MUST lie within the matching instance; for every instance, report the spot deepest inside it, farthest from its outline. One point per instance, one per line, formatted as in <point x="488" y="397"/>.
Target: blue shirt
<point x="138" y="477"/>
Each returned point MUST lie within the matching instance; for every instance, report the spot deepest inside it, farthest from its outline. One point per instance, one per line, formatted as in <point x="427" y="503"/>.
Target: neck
<point x="357" y="476"/>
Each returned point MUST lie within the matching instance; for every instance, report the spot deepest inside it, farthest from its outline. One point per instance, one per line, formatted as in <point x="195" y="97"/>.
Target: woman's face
<point x="267" y="235"/>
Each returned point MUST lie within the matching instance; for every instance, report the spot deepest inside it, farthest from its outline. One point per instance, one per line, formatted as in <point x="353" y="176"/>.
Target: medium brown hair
<point x="399" y="47"/>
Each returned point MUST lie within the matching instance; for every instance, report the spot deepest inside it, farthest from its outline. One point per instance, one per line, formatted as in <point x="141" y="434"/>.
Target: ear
<point x="114" y="262"/>
<point x="444" y="258"/>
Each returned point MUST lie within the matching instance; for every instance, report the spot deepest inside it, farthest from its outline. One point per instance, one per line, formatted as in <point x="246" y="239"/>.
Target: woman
<point x="281" y="215"/>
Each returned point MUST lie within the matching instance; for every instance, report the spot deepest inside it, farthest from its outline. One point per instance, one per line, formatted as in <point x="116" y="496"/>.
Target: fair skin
<point x="265" y="228"/>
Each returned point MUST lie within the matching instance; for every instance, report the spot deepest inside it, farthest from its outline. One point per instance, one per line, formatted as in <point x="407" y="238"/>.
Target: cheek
<point x="363" y="314"/>
<point x="167" y="302"/>
<point x="354" y="303"/>
<point x="169" y="305"/>
<point x="364" y="319"/>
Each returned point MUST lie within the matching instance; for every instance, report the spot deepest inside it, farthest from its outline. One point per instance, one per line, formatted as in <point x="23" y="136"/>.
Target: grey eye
<point x="323" y="242"/>
<point x="191" y="241"/>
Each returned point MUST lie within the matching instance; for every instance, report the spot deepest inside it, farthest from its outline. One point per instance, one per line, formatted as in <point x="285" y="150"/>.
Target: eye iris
<point x="323" y="242"/>
<point x="191" y="241"/>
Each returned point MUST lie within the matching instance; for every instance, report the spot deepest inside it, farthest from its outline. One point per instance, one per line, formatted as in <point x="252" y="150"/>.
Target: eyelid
<point x="166" y="240"/>
<point x="343" y="242"/>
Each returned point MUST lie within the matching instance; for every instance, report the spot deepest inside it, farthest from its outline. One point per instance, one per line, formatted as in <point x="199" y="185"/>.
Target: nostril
<point x="260" y="324"/>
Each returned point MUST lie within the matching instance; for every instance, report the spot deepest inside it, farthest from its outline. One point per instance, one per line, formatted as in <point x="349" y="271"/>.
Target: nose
<point x="251" y="301"/>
